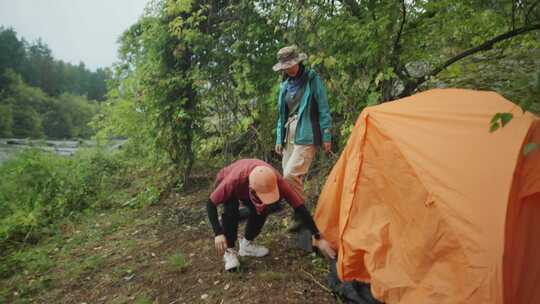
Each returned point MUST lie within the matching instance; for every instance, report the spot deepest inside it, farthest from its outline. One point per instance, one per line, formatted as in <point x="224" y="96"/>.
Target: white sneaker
<point x="231" y="259"/>
<point x="249" y="249"/>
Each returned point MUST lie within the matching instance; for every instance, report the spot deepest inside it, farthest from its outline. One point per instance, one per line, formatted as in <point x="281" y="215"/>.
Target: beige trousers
<point x="296" y="159"/>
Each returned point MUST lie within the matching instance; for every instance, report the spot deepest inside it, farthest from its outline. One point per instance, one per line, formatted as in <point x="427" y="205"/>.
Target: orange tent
<point x="430" y="207"/>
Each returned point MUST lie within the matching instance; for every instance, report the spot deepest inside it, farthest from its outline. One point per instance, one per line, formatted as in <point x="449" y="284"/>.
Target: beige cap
<point x="263" y="181"/>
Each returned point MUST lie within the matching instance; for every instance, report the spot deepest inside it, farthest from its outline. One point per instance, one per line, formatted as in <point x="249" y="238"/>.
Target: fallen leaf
<point x="129" y="278"/>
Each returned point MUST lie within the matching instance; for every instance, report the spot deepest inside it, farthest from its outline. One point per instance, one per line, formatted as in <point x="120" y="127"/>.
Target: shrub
<point x="178" y="261"/>
<point x="38" y="188"/>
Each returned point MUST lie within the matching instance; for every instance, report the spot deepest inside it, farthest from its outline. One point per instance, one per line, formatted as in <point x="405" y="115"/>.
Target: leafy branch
<point x="529" y="11"/>
<point x="354" y="8"/>
<point x="412" y="85"/>
<point x="396" y="48"/>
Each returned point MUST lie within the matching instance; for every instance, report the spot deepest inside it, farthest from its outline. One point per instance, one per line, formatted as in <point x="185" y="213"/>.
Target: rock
<point x="204" y="297"/>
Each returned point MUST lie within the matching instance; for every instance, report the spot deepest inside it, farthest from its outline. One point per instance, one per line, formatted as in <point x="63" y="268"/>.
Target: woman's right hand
<point x="279" y="149"/>
<point x="326" y="249"/>
<point x="221" y="244"/>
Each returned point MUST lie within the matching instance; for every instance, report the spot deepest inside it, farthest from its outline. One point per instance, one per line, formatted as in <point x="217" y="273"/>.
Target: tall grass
<point x="38" y="188"/>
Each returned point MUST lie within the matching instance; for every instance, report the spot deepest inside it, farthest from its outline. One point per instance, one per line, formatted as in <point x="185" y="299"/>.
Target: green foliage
<point x="176" y="72"/>
<point x="37" y="189"/>
<point x="43" y="97"/>
<point x="161" y="85"/>
<point x="149" y="196"/>
<point x="511" y="73"/>
<point x="6" y="120"/>
<point x="12" y="50"/>
<point x="32" y="260"/>
<point x="34" y="62"/>
<point x="123" y="118"/>
<point x="500" y="120"/>
<point x="26" y="123"/>
<point x="178" y="261"/>
<point x="197" y="75"/>
<point x="530" y="101"/>
<point x="319" y="263"/>
<point x="143" y="300"/>
<point x="28" y="112"/>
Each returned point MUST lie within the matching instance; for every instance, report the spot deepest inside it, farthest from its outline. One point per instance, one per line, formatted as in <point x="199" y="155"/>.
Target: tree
<point x="199" y="72"/>
<point x="34" y="61"/>
<point x="6" y="120"/>
<point x="28" y="112"/>
<point x="39" y="67"/>
<point x="12" y="50"/>
<point x="163" y="64"/>
<point x="26" y="123"/>
<point x="97" y="84"/>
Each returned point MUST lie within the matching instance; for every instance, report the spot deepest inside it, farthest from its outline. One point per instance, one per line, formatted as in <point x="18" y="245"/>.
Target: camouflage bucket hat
<point x="288" y="57"/>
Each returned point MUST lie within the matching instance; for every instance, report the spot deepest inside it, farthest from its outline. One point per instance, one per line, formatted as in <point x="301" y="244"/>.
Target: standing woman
<point x="304" y="119"/>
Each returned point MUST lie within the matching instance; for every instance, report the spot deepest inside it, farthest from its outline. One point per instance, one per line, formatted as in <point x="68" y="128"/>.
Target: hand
<point x="221" y="244"/>
<point x="327" y="146"/>
<point x="325" y="249"/>
<point x="279" y="149"/>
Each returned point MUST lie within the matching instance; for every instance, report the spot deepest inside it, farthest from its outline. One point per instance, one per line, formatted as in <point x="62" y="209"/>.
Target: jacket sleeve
<point x="325" y="119"/>
<point x="213" y="218"/>
<point x="223" y="192"/>
<point x="280" y="120"/>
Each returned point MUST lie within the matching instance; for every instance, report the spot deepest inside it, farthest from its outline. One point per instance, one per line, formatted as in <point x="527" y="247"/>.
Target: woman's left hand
<point x="327" y="146"/>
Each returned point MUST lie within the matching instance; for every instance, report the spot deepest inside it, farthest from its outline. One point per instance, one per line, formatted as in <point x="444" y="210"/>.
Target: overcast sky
<point x="75" y="30"/>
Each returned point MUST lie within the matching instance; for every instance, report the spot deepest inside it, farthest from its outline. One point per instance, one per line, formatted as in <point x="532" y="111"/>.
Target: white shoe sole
<point x="232" y="268"/>
<point x="243" y="253"/>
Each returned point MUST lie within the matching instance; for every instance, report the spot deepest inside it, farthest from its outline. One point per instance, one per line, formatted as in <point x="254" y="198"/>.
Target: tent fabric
<point x="417" y="203"/>
<point x="522" y="259"/>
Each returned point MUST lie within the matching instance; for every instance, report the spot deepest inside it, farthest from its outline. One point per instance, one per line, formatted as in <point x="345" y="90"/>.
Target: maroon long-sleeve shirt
<point x="233" y="183"/>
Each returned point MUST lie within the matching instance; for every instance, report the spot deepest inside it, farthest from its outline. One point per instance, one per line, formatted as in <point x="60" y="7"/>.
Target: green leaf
<point x="495" y="118"/>
<point x="379" y="78"/>
<point x="529" y="148"/>
<point x="373" y="98"/>
<point x="505" y="118"/>
<point x="330" y="62"/>
<point x="494" y="127"/>
<point x="316" y="60"/>
<point x="526" y="104"/>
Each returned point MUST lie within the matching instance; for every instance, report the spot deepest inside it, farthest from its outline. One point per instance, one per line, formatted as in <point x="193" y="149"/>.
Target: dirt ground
<point x="164" y="254"/>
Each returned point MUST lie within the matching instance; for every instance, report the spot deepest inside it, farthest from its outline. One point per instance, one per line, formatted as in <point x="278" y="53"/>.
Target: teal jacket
<point x="314" y="120"/>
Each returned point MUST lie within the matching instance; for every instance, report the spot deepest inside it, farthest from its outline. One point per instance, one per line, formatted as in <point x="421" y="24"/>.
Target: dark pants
<point x="231" y="218"/>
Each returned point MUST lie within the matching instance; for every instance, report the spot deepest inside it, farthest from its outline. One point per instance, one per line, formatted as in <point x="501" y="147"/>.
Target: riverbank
<point x="11" y="146"/>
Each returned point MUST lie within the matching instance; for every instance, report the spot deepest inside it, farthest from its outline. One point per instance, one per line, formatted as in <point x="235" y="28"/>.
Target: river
<point x="10" y="146"/>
